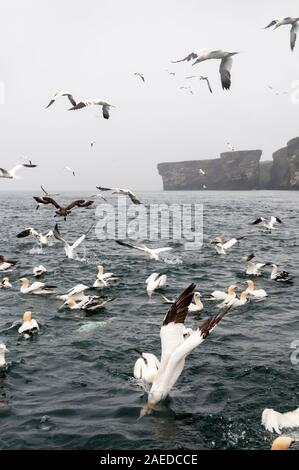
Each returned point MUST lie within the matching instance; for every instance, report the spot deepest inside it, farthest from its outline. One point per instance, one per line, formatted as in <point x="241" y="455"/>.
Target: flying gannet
<point x="258" y="293"/>
<point x="3" y="350"/>
<point x="268" y="225"/>
<point x="195" y="306"/>
<point x="70" y="249"/>
<point x="152" y="252"/>
<point x="6" y="264"/>
<point x="175" y="347"/>
<point x="155" y="281"/>
<point x="287" y="21"/>
<point x="279" y="276"/>
<point x="103" y="279"/>
<point x="225" y="64"/>
<point x="94" y="102"/>
<point x="282" y="443"/>
<point x="274" y="421"/>
<point x="11" y="174"/>
<point x="252" y="268"/>
<point x="38" y="288"/>
<point x="67" y="168"/>
<point x="29" y="327"/>
<point x="221" y="248"/>
<point x="140" y="75"/>
<point x="42" y="238"/>
<point x="39" y="270"/>
<point x="59" y="94"/>
<point x="126" y="192"/>
<point x="5" y="283"/>
<point x="62" y="211"/>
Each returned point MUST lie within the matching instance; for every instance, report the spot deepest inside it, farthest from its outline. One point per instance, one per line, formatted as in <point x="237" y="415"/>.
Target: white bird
<point x="126" y="192"/>
<point x="279" y="276"/>
<point x="282" y="443"/>
<point x="175" y="347"/>
<point x="103" y="279"/>
<point x="70" y="170"/>
<point x="268" y="225"/>
<point x="221" y="248"/>
<point x="231" y="147"/>
<point x="92" y="143"/>
<point x="89" y="303"/>
<point x="253" y="268"/>
<point x="11" y="174"/>
<point x="225" y="64"/>
<point x="274" y="421"/>
<point x="220" y="295"/>
<point x="35" y="288"/>
<point x="287" y="21"/>
<point x="5" y="283"/>
<point x="206" y="79"/>
<point x="42" y="238"/>
<point x="152" y="252"/>
<point x="3" y="350"/>
<point x="202" y="172"/>
<point x="6" y="264"/>
<point x="258" y="293"/>
<point x="69" y="249"/>
<point x="146" y="367"/>
<point x="39" y="270"/>
<point x="94" y="102"/>
<point x="59" y="94"/>
<point x="195" y="306"/>
<point x="29" y="327"/>
<point x="76" y="293"/>
<point x="140" y="75"/>
<point x="155" y="281"/>
<point x="235" y="303"/>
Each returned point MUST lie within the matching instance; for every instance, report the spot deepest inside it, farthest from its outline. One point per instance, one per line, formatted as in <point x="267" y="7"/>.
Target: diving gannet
<point x="274" y="421"/>
<point x="279" y="276"/>
<point x="59" y="94"/>
<point x="35" y="288"/>
<point x="269" y="226"/>
<point x="153" y="253"/>
<point x="258" y="293"/>
<point x="11" y="174"/>
<point x="175" y="348"/>
<point x="39" y="270"/>
<point x="287" y="21"/>
<point x="70" y="249"/>
<point x="6" y="264"/>
<point x="195" y="306"/>
<point x="5" y="283"/>
<point x="42" y="238"/>
<point x="282" y="443"/>
<point x="126" y="192"/>
<point x="225" y="64"/>
<point x="103" y="279"/>
<point x="62" y="211"/>
<point x="3" y="350"/>
<point x="95" y="102"/>
<point x="29" y="327"/>
<point x="221" y="247"/>
<point x="155" y="281"/>
<point x="253" y="268"/>
<point x="146" y="367"/>
<point x="140" y="76"/>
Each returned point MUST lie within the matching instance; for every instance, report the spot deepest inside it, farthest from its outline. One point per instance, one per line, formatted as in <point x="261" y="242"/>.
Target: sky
<point x="93" y="48"/>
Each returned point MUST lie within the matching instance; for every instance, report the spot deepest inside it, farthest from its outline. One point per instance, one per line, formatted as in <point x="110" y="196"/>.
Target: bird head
<point x="3" y="348"/>
<point x="250" y="284"/>
<point x="24" y="281"/>
<point x="282" y="443"/>
<point x="5" y="280"/>
<point x="216" y="240"/>
<point x="244" y="295"/>
<point x="231" y="289"/>
<point x="100" y="269"/>
<point x="70" y="302"/>
<point x="147" y="409"/>
<point x="27" y="316"/>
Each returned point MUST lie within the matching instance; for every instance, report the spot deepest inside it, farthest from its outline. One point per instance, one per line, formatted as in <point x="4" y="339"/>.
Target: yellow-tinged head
<point x="282" y="443"/>
<point x="101" y="269"/>
<point x="27" y="316"/>
<point x="70" y="302"/>
<point x="5" y="280"/>
<point x="217" y="240"/>
<point x="231" y="289"/>
<point x="24" y="281"/>
<point x="244" y="295"/>
<point x="250" y="284"/>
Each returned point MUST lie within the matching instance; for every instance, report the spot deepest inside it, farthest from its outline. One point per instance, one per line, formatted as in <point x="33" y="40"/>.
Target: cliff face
<point x="236" y="170"/>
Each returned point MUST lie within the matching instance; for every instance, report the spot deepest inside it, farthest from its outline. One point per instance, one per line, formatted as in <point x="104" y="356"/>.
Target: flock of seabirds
<point x="156" y="376"/>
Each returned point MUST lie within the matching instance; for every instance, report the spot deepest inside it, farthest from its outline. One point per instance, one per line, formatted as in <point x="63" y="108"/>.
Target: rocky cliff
<point x="236" y="170"/>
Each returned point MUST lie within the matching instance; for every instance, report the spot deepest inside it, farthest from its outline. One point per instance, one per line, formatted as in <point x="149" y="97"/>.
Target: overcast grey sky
<point x="93" y="48"/>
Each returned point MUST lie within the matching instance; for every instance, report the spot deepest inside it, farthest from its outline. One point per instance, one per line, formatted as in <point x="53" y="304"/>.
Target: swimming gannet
<point x="11" y="174"/>
<point x="39" y="270"/>
<point x="268" y="225"/>
<point x="146" y="366"/>
<point x="90" y="303"/>
<point x="5" y="283"/>
<point x="282" y="443"/>
<point x="94" y="102"/>
<point x="253" y="268"/>
<point x="41" y="238"/>
<point x="126" y="192"/>
<point x="287" y="21"/>
<point x="195" y="306"/>
<point x="103" y="279"/>
<point x="35" y="288"/>
<point x="153" y="253"/>
<point x="279" y="276"/>
<point x="29" y="326"/>
<point x="235" y="303"/>
<point x="59" y="94"/>
<point x="220" y="295"/>
<point x="175" y="348"/>
<point x="220" y="247"/>
<point x="274" y="421"/>
<point x="69" y="249"/>
<point x="6" y="264"/>
<point x="155" y="281"/>
<point x="259" y="293"/>
<point x="3" y="350"/>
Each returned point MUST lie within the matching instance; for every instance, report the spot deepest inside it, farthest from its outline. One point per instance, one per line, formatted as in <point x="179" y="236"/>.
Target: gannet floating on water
<point x="95" y="102"/>
<point x="59" y="94"/>
<point x="253" y="268"/>
<point x="221" y="248"/>
<point x="175" y="347"/>
<point x="269" y="226"/>
<point x="103" y="279"/>
<point x="76" y="293"/>
<point x="62" y="211"/>
<point x="235" y="303"/>
<point x="279" y="276"/>
<point x="220" y="295"/>
<point x="287" y="21"/>
<point x="11" y="174"/>
<point x="6" y="264"/>
<point x="155" y="281"/>
<point x="146" y="367"/>
<point x="140" y="75"/>
<point x="5" y="283"/>
<point x="206" y="79"/>
<point x="3" y="350"/>
<point x="126" y="192"/>
<point x="195" y="306"/>
<point x="152" y="252"/>
<point x="258" y="293"/>
<point x="39" y="270"/>
<point x="29" y="327"/>
<point x="90" y="303"/>
<point x="274" y="421"/>
<point x="225" y="64"/>
<point x="282" y="443"/>
<point x="41" y="237"/>
<point x="38" y="288"/>
<point x="70" y="249"/>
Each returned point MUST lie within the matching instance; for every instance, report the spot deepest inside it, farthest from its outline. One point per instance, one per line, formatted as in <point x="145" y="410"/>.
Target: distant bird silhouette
<point x="94" y="102"/>
<point x="140" y="75"/>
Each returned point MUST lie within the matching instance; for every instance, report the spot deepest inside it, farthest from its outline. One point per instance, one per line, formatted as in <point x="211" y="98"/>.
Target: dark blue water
<point x="71" y="388"/>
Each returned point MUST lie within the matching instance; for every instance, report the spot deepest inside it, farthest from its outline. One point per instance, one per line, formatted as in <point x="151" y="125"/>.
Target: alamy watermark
<point x="154" y="222"/>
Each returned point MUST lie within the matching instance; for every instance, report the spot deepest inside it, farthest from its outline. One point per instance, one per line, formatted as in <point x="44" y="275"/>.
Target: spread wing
<point x="187" y="58"/>
<point x="257" y="221"/>
<point x="294" y="30"/>
<point x="105" y="110"/>
<point x="79" y="241"/>
<point x="78" y="106"/>
<point x="273" y="22"/>
<point x="50" y="200"/>
<point x="230" y="243"/>
<point x="58" y="236"/>
<point x="73" y="102"/>
<point x="133" y="197"/>
<point x="24" y="233"/>
<point x="225" y="68"/>
<point x="130" y="246"/>
<point x="77" y="203"/>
